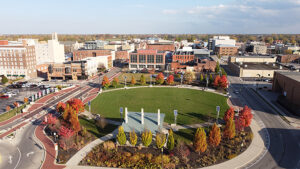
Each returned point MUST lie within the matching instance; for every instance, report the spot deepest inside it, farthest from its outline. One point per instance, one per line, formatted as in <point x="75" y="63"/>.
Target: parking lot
<point x="19" y="97"/>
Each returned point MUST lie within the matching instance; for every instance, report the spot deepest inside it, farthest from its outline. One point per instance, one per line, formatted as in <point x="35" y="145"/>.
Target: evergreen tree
<point x="215" y="135"/>
<point x="170" y="142"/>
<point x="229" y="131"/>
<point x="143" y="80"/>
<point x="121" y="137"/>
<point x="217" y="69"/>
<point x="200" y="143"/>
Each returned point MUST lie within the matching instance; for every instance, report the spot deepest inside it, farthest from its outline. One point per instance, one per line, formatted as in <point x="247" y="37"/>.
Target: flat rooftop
<point x="260" y="66"/>
<point x="293" y="75"/>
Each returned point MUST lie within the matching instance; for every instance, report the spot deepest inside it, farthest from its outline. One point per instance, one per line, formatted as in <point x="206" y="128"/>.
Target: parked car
<point x="4" y="96"/>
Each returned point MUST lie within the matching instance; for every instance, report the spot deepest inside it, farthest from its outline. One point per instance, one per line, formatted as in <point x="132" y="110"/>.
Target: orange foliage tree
<point x="215" y="135"/>
<point x="246" y="115"/>
<point x="105" y="82"/>
<point x="133" y="81"/>
<point x="160" y="78"/>
<point x="170" y="80"/>
<point x="16" y="104"/>
<point x="76" y="104"/>
<point x="7" y="108"/>
<point x="229" y="131"/>
<point x="223" y="82"/>
<point x="229" y="114"/>
<point x="60" y="107"/>
<point x="200" y="143"/>
<point x="26" y="100"/>
<point x="50" y="119"/>
<point x="216" y="81"/>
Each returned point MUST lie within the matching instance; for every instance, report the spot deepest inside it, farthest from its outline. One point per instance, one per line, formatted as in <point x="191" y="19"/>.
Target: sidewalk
<point x="270" y="98"/>
<point x="49" y="149"/>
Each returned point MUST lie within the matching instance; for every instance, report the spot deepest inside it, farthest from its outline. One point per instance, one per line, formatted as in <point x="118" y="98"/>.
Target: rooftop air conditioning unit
<point x="246" y="66"/>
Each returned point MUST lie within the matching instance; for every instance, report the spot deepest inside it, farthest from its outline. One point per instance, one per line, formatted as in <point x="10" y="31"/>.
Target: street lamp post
<point x="151" y="80"/>
<point x="125" y="81"/>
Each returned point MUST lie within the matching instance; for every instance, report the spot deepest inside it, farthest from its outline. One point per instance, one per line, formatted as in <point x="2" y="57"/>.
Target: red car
<point x="4" y="96"/>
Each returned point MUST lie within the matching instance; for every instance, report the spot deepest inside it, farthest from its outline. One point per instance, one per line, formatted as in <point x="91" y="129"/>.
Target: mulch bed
<point x="182" y="156"/>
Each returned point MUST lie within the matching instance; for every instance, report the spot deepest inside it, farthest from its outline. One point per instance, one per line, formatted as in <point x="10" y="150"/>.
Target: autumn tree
<point x="16" y="104"/>
<point x="26" y="100"/>
<point x="8" y="108"/>
<point x="216" y="81"/>
<point x="76" y="104"/>
<point x="143" y="79"/>
<point x="170" y="80"/>
<point x="215" y="135"/>
<point x="105" y="82"/>
<point x="65" y="141"/>
<point x="146" y="137"/>
<point x="239" y="124"/>
<point x="115" y="82"/>
<point x="133" y="81"/>
<point x="170" y="142"/>
<point x="188" y="77"/>
<point x="60" y="107"/>
<point x="4" y="79"/>
<point x="229" y="114"/>
<point x="200" y="143"/>
<point x="246" y="114"/>
<point x="229" y="131"/>
<point x="160" y="78"/>
<point x="223" y="82"/>
<point x="50" y="119"/>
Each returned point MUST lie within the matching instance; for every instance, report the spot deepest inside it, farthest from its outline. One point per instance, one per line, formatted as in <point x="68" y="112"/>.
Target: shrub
<point x="121" y="137"/>
<point x="146" y="137"/>
<point x="170" y="142"/>
<point x="133" y="138"/>
<point x="4" y="79"/>
<point x="200" y="143"/>
<point x="188" y="77"/>
<point x="143" y="80"/>
<point x="59" y="87"/>
<point x="229" y="131"/>
<point x="7" y="108"/>
<point x="160" y="140"/>
<point x="26" y="100"/>
<point x="170" y="80"/>
<point x="215" y="135"/>
<point x="105" y="82"/>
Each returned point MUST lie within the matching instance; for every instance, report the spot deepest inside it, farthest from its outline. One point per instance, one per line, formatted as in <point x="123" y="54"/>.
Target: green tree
<point x="143" y="80"/>
<point x="211" y="79"/>
<point x="170" y="142"/>
<point x="223" y="71"/>
<point x="133" y="138"/>
<point x="121" y="137"/>
<point x="146" y="137"/>
<point x="160" y="140"/>
<point x="201" y="78"/>
<point x="217" y="69"/>
<point x="4" y="79"/>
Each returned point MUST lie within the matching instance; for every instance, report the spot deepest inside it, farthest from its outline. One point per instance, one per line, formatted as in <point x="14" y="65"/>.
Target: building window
<point x="150" y="58"/>
<point x="133" y="66"/>
<point x="142" y="66"/>
<point x="159" y="59"/>
<point x="150" y="66"/>
<point x="133" y="58"/>
<point x="142" y="58"/>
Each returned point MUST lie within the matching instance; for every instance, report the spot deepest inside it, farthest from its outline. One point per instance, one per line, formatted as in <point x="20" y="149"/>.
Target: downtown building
<point x="147" y="59"/>
<point x="17" y="60"/>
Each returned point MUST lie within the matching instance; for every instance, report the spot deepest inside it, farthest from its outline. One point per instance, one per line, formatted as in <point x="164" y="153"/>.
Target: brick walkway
<point x="49" y="149"/>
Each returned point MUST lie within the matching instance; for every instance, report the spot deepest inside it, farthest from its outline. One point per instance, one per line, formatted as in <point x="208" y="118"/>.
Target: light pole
<point x="256" y="81"/>
<point x="125" y="81"/>
<point x="206" y="81"/>
<point x="151" y="80"/>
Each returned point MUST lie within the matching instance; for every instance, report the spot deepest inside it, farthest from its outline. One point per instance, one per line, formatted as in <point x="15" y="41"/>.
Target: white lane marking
<point x="19" y="158"/>
<point x="30" y="153"/>
<point x="10" y="159"/>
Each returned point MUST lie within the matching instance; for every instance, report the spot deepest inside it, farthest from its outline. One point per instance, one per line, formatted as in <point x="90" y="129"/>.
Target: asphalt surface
<point x="28" y="153"/>
<point x="284" y="148"/>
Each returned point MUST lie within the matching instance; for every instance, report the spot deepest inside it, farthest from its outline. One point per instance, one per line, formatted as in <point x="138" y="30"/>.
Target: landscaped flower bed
<point x="182" y="156"/>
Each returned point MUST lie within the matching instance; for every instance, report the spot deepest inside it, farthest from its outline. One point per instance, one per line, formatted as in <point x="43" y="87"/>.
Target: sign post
<point x="125" y="81"/>
<point x="121" y="112"/>
<point x="218" y="112"/>
<point x="89" y="103"/>
<point x="175" y="115"/>
<point x="206" y="81"/>
<point x="151" y="80"/>
<point x="181" y="77"/>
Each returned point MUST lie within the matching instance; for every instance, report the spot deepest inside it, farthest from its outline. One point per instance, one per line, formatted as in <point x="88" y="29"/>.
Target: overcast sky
<point x="149" y="16"/>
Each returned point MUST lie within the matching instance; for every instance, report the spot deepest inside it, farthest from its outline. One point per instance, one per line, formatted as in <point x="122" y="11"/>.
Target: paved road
<point x="27" y="150"/>
<point x="284" y="150"/>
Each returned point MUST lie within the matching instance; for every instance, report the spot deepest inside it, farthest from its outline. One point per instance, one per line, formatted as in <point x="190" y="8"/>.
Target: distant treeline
<point x="268" y="38"/>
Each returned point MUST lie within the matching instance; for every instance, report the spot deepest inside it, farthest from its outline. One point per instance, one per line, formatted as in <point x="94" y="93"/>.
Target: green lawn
<point x="193" y="106"/>
<point x="91" y="127"/>
<point x="11" y="113"/>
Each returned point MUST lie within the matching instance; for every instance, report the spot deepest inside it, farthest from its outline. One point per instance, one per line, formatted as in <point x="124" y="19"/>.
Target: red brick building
<point x="226" y="50"/>
<point x="3" y="42"/>
<point x="183" y="56"/>
<point x="82" y="54"/>
<point x="161" y="46"/>
<point x="122" y="55"/>
<point x="147" y="59"/>
<point x="204" y="64"/>
<point x="287" y="58"/>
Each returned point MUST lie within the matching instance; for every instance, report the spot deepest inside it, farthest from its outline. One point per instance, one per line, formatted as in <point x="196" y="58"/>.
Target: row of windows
<point x="149" y="58"/>
<point x="184" y="57"/>
<point x="145" y="66"/>
<point x="10" y="59"/>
